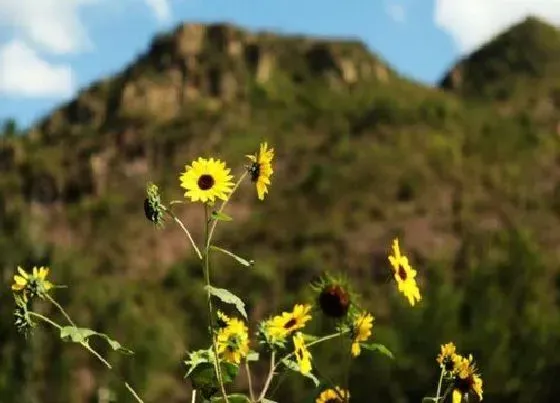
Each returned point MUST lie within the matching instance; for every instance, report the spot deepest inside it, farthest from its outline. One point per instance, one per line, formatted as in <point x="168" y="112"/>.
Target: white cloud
<point x="397" y="12"/>
<point x="24" y="73"/>
<point x="472" y="23"/>
<point x="54" y="25"/>
<point x="161" y="8"/>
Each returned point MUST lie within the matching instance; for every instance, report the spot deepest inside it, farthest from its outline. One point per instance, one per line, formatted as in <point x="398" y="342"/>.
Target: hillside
<point x="363" y="155"/>
<point x="519" y="68"/>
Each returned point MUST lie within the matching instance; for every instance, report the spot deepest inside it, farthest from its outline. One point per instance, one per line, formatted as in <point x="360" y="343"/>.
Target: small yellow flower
<point x="233" y="341"/>
<point x="283" y="325"/>
<point x="32" y="284"/>
<point x="20" y="281"/>
<point x="404" y="275"/>
<point x="206" y="180"/>
<point x="303" y="356"/>
<point x="335" y="395"/>
<point x="261" y="169"/>
<point x="467" y="379"/>
<point x="446" y="358"/>
<point x="361" y="331"/>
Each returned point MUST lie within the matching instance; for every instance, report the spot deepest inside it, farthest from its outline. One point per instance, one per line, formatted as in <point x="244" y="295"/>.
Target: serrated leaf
<point x="240" y="260"/>
<point x="228" y="297"/>
<point x="379" y="348"/>
<point x="220" y="216"/>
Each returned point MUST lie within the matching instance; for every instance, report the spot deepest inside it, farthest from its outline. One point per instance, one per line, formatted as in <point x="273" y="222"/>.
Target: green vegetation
<point x="469" y="179"/>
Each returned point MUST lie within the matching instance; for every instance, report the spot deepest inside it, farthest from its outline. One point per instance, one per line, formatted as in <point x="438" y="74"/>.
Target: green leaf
<point x="264" y="400"/>
<point x="75" y="334"/>
<point x="295" y="367"/>
<point x="234" y="398"/>
<point x="242" y="261"/>
<point x="228" y="297"/>
<point x="219" y="216"/>
<point x="429" y="399"/>
<point x="81" y="335"/>
<point x="253" y="356"/>
<point x="379" y="348"/>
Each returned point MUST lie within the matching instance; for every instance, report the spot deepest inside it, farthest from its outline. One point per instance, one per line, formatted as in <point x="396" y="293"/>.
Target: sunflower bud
<point x="334" y="300"/>
<point x="153" y="207"/>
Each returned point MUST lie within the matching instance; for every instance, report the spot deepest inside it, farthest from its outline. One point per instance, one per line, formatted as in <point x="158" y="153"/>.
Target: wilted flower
<point x="336" y="395"/>
<point x="32" y="284"/>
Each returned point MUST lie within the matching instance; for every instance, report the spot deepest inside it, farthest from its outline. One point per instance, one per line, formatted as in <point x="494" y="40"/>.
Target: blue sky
<point x="47" y="55"/>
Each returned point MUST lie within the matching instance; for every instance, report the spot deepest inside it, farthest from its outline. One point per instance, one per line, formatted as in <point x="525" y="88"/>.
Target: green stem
<point x="319" y="340"/>
<point x="250" y="381"/>
<point x="438" y="392"/>
<point x="186" y="231"/>
<point x="59" y="307"/>
<point x="45" y="319"/>
<point x="215" y="222"/>
<point x="193" y="396"/>
<point x="85" y="345"/>
<point x="269" y="377"/>
<point x="210" y="307"/>
<point x="347" y="361"/>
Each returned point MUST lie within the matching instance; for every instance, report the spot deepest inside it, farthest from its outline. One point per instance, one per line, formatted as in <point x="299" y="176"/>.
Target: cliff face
<point x="467" y="176"/>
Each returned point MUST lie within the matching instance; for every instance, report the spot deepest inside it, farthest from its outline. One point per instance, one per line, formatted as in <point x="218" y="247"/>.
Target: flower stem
<point x="250" y="381"/>
<point x="319" y="340"/>
<point x="210" y="307"/>
<point x="186" y="231"/>
<point x="52" y="301"/>
<point x="269" y="377"/>
<point x="438" y="392"/>
<point x="347" y="361"/>
<point x="193" y="396"/>
<point x="85" y="344"/>
<point x="209" y="238"/>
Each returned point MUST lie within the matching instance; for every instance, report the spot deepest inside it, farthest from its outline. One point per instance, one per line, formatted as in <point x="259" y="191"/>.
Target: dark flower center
<point x="255" y="171"/>
<point x="448" y="363"/>
<point x="334" y="301"/>
<point x="290" y="323"/>
<point x="464" y="385"/>
<point x="205" y="182"/>
<point x="299" y="353"/>
<point x="402" y="273"/>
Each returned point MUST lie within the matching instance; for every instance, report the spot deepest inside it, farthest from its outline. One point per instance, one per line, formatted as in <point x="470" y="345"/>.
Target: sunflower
<point x="335" y="395"/>
<point x="34" y="283"/>
<point x="467" y="380"/>
<point x="361" y="330"/>
<point x="404" y="275"/>
<point x="260" y="169"/>
<point x="303" y="356"/>
<point x="206" y="180"/>
<point x="233" y="341"/>
<point x="282" y="325"/>
<point x="446" y="358"/>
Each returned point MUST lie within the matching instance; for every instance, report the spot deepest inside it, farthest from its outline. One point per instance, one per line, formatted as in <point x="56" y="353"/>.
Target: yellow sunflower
<point x="404" y="275"/>
<point x="261" y="169"/>
<point x="335" y="395"/>
<point x="303" y="356"/>
<point x="206" y="180"/>
<point x="233" y="341"/>
<point x="361" y="331"/>
<point x="446" y="357"/>
<point x="467" y="380"/>
<point x="34" y="283"/>
<point x="283" y="325"/>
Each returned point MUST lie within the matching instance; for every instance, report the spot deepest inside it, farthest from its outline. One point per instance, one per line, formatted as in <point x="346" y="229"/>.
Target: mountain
<point x="362" y="155"/>
<point x="518" y="67"/>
